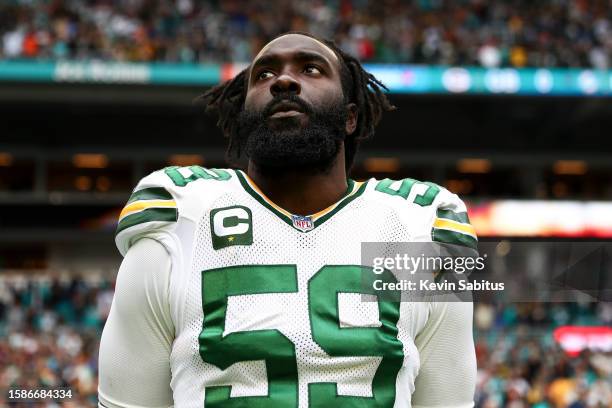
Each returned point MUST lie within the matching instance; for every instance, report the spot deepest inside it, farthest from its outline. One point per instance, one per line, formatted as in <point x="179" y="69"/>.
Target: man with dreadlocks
<point x="243" y="288"/>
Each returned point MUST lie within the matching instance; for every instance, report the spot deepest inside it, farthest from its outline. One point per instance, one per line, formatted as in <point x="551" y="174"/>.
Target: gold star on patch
<point x="230" y="239"/>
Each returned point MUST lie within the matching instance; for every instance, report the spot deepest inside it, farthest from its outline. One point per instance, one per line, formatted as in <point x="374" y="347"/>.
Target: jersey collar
<point x="354" y="190"/>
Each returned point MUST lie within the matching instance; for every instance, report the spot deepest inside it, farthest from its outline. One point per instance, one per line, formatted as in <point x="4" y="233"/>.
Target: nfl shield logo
<point x="303" y="223"/>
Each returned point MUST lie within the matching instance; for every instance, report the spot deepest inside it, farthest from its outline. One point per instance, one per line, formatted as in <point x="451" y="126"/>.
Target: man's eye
<point x="312" y="69"/>
<point x="264" y="75"/>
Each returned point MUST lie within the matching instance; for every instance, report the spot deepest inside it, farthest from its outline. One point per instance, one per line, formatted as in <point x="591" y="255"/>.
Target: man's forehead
<point x="297" y="42"/>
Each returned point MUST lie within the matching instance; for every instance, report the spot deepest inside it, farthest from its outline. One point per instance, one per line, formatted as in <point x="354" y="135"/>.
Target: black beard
<point x="290" y="145"/>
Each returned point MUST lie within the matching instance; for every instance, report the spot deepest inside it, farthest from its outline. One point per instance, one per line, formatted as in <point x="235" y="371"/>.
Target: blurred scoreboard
<point x="542" y="218"/>
<point x="408" y="79"/>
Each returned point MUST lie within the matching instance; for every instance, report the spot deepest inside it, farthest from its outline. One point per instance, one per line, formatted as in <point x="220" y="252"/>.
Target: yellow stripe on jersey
<point x="321" y="213"/>
<point x="142" y="205"/>
<point x="454" y="226"/>
<point x="264" y="197"/>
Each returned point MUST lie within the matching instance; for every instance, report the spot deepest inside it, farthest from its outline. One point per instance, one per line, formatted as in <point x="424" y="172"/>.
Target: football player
<point x="243" y="288"/>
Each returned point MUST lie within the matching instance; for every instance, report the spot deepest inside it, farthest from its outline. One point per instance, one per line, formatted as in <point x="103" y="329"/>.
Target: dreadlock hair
<point x="358" y="86"/>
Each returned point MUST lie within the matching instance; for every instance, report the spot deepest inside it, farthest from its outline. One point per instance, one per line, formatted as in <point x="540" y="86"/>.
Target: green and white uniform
<point x="234" y="302"/>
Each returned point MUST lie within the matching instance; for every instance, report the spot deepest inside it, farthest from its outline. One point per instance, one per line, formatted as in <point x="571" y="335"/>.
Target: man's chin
<point x="277" y="159"/>
<point x="292" y="141"/>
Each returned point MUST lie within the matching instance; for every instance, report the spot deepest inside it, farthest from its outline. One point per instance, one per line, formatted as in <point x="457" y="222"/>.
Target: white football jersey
<point x="267" y="306"/>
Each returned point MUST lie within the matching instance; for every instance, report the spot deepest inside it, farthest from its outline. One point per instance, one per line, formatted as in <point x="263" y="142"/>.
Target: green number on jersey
<point x="424" y="199"/>
<point x="279" y="352"/>
<point x="269" y="345"/>
<point x="197" y="172"/>
<point x="323" y="290"/>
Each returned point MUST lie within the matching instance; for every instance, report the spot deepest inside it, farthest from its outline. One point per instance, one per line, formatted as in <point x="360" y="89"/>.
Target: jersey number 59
<point x="278" y="351"/>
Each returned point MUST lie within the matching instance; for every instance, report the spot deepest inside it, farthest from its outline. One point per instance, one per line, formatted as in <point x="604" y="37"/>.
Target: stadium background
<point x="506" y="103"/>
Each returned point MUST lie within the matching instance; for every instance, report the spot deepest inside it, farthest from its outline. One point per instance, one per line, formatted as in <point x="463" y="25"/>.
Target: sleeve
<point x="451" y="224"/>
<point x="447" y="377"/>
<point x="152" y="211"/>
<point x="134" y="358"/>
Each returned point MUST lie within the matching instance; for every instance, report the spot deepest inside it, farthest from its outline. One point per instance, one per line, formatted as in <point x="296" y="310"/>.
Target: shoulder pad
<point x="160" y="199"/>
<point x="150" y="209"/>
<point x="452" y="224"/>
<point x="433" y="207"/>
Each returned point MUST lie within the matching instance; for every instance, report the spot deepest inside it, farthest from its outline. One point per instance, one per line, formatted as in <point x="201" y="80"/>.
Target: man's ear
<point x="351" y="118"/>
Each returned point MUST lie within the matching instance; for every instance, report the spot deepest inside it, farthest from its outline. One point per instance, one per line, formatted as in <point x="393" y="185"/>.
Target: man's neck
<point x="302" y="192"/>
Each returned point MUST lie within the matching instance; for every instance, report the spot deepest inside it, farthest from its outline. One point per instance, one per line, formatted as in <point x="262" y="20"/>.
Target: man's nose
<point x="285" y="83"/>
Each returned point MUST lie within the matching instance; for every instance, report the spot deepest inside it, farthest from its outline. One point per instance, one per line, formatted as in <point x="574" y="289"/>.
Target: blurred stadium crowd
<point x="553" y="33"/>
<point x="520" y="365"/>
<point x="49" y="333"/>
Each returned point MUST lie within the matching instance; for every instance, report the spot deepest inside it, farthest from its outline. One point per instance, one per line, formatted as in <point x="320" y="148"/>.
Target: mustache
<point x="289" y="97"/>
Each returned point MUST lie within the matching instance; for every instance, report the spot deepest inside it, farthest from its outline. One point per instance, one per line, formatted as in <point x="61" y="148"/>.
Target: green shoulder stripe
<point x="153" y="193"/>
<point x="455" y="216"/>
<point x="451" y="237"/>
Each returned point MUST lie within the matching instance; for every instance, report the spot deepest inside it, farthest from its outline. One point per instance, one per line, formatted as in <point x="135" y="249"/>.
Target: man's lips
<point x="285" y="114"/>
<point x="285" y="109"/>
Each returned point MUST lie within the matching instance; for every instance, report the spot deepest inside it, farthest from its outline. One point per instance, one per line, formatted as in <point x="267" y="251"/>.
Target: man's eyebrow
<point x="272" y="59"/>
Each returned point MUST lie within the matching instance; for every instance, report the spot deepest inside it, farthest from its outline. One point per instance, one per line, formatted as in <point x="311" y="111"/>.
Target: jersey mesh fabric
<point x="335" y="242"/>
<point x="142" y="280"/>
